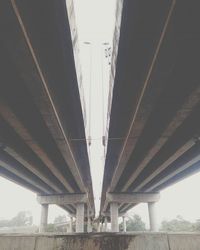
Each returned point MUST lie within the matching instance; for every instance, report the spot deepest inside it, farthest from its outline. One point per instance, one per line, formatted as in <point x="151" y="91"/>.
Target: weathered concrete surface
<point x="184" y="241"/>
<point x="106" y="241"/>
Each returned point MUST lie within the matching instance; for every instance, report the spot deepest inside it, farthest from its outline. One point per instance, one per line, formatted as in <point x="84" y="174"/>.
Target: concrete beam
<point x="54" y="121"/>
<point x="49" y="97"/>
<point x="18" y="180"/>
<point x="107" y="214"/>
<point x="19" y="150"/>
<point x="181" y="176"/>
<point x="175" y="172"/>
<point x="10" y="164"/>
<point x="132" y="197"/>
<point x="178" y="153"/>
<point x="125" y="207"/>
<point x="137" y="124"/>
<point x="62" y="199"/>
<point x="178" y="119"/>
<point x="26" y="134"/>
<point x="146" y="95"/>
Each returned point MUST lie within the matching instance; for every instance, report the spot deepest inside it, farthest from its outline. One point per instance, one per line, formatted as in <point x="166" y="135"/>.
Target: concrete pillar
<point x="152" y="216"/>
<point x="114" y="216"/>
<point x="80" y="218"/>
<point x="89" y="225"/>
<point x="105" y="224"/>
<point x="44" y="218"/>
<point x="99" y="227"/>
<point x="124" y="223"/>
<point x="71" y="225"/>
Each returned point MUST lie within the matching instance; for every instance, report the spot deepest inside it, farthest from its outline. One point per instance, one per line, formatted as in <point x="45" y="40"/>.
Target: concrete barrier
<point x="103" y="241"/>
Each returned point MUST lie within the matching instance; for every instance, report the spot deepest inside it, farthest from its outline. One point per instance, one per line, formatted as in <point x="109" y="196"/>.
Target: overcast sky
<point x="95" y="21"/>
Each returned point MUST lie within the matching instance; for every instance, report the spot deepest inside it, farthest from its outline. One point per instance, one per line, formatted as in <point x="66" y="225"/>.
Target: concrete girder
<point x="10" y="164"/>
<point x="178" y="119"/>
<point x="62" y="199"/>
<point x="136" y="127"/>
<point x="107" y="214"/>
<point x="183" y="142"/>
<point x="132" y="197"/>
<point x="153" y="143"/>
<point x="163" y="166"/>
<point x="24" y="133"/>
<point x="18" y="180"/>
<point x="125" y="207"/>
<point x="178" y="170"/>
<point x="16" y="148"/>
<point x="180" y="176"/>
<point x="140" y="103"/>
<point x="40" y="83"/>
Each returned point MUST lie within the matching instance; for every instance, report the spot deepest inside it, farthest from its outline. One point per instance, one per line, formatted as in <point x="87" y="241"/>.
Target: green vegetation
<point x="23" y="218"/>
<point x="134" y="223"/>
<point x="180" y="225"/>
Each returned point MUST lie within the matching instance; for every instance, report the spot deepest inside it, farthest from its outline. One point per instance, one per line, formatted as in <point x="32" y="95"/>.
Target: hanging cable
<point x="107" y="51"/>
<point x="90" y="96"/>
<point x="103" y="104"/>
<point x="90" y="93"/>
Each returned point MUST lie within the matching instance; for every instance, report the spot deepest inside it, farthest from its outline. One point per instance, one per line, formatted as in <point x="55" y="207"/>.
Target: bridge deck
<point x="42" y="133"/>
<point x="153" y="138"/>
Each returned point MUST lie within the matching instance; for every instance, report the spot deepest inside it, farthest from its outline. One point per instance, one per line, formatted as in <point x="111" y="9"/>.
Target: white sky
<point x="95" y="21"/>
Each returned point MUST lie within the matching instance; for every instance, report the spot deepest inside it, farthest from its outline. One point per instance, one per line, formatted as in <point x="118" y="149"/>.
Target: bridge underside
<point x="42" y="136"/>
<point x="154" y="131"/>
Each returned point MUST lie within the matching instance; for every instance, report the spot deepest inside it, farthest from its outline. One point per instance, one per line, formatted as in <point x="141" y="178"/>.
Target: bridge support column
<point x="44" y="218"/>
<point x="98" y="227"/>
<point x="124" y="223"/>
<point x="152" y="216"/>
<point x="71" y="224"/>
<point x="89" y="225"/>
<point x="80" y="218"/>
<point x="105" y="224"/>
<point x="114" y="213"/>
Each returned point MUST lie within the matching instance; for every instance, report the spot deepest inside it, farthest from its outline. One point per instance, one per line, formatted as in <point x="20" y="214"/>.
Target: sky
<point x="95" y="22"/>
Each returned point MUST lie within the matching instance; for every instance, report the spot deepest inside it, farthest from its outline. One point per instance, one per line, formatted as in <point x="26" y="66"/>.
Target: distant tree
<point x="23" y="218"/>
<point x="134" y="223"/>
<point x="196" y="226"/>
<point x="60" y="219"/>
<point x="50" y="228"/>
<point x="177" y="225"/>
<point x="4" y="223"/>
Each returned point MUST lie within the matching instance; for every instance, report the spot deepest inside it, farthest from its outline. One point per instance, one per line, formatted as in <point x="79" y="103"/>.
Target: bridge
<point x="42" y="136"/>
<point x="153" y="138"/>
<point x="153" y="116"/>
